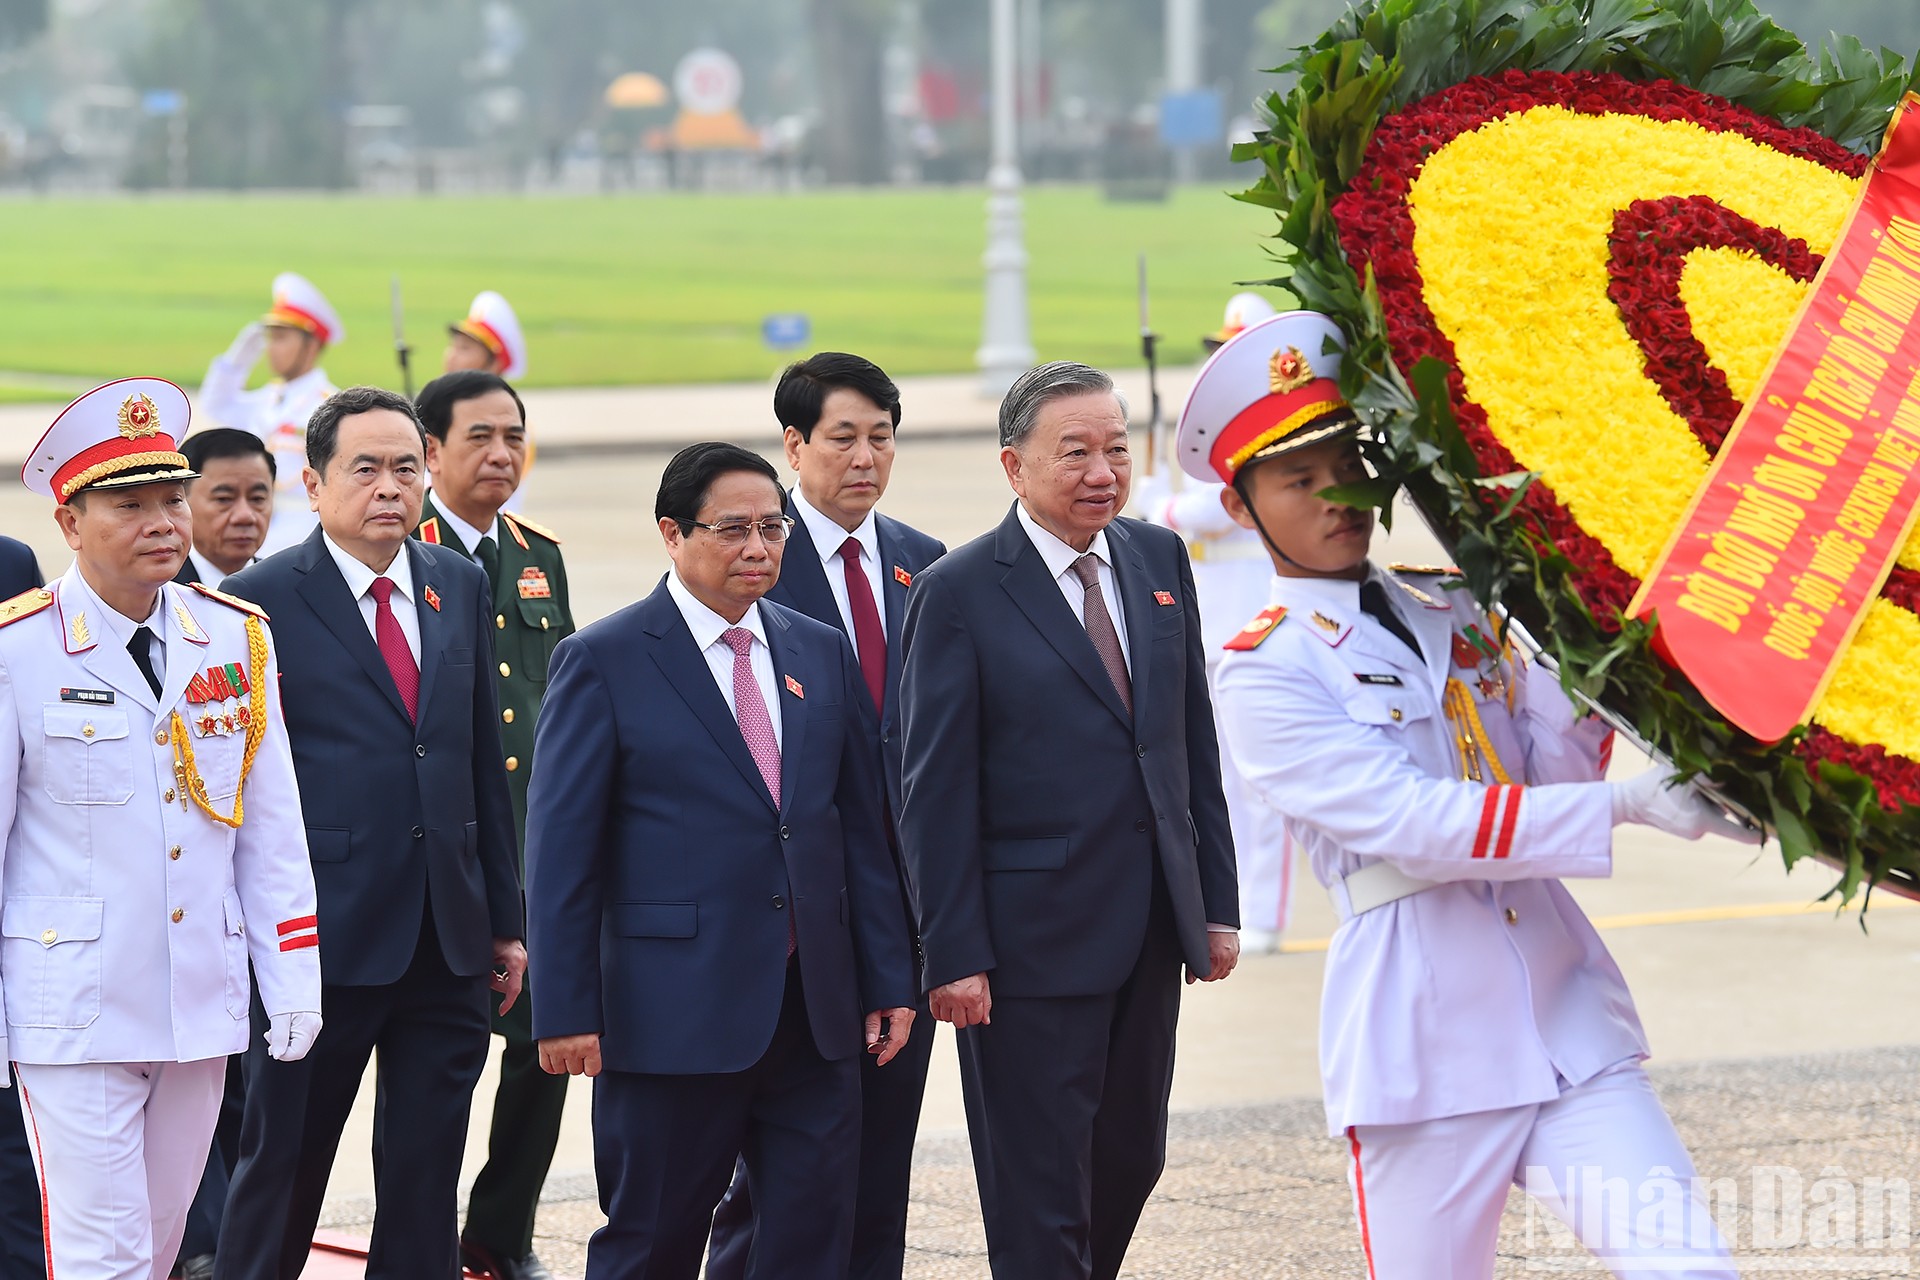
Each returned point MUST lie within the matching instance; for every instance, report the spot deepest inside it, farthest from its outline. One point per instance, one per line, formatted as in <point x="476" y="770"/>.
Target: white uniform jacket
<point x="277" y="413"/>
<point x="127" y="918"/>
<point x="1485" y="991"/>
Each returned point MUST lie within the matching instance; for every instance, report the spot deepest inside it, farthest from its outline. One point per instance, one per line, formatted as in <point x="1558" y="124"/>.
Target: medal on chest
<point x="215" y="696"/>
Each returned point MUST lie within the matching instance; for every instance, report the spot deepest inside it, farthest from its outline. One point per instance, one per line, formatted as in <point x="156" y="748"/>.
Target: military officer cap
<point x="1243" y="311"/>
<point x="1271" y="389"/>
<point x="297" y="304"/>
<point x="115" y="436"/>
<point x="491" y="323"/>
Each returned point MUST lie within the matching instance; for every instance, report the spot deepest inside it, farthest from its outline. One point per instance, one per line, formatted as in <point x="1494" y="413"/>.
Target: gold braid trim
<point x="114" y="466"/>
<point x="1272" y="435"/>
<point x="256" y="732"/>
<point x="1470" y="736"/>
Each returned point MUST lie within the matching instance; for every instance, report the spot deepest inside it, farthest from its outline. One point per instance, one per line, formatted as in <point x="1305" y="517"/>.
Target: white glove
<point x="290" y="1035"/>
<point x="1659" y="800"/>
<point x="248" y="345"/>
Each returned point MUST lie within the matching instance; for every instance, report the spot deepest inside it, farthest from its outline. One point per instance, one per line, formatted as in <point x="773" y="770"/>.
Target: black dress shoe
<point x="482" y="1261"/>
<point x="198" y="1267"/>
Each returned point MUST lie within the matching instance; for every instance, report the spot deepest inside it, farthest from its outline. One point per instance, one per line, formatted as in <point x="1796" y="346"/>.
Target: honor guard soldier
<point x="489" y="340"/>
<point x="154" y="843"/>
<point x="294" y="334"/>
<point x="1230" y="580"/>
<point x="476" y="450"/>
<point x="1475" y="1034"/>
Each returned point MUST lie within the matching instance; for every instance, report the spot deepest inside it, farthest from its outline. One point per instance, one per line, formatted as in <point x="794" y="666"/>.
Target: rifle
<point x="401" y="350"/>
<point x="1149" y="350"/>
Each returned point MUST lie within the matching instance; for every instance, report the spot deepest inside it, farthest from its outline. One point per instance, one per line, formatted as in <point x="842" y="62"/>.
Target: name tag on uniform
<point x="534" y="585"/>
<point x="92" y="697"/>
<point x="1378" y="679"/>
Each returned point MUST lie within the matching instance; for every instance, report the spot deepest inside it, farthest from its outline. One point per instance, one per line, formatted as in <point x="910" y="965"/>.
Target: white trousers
<point x="1603" y="1158"/>
<point x="119" y="1148"/>
<point x="1262" y="850"/>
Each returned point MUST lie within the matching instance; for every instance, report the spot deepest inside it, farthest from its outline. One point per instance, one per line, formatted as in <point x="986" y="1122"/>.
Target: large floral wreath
<point x="1523" y="214"/>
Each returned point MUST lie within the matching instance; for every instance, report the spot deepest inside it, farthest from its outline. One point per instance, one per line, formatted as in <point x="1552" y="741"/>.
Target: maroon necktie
<point x="869" y="637"/>
<point x="1100" y="628"/>
<point x="393" y="646"/>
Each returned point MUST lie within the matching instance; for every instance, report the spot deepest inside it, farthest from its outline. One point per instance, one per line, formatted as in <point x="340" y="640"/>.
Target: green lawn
<point x="611" y="290"/>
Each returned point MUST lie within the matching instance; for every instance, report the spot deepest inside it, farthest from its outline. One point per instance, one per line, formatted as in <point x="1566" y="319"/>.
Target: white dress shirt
<point x="828" y="537"/>
<point x="468" y="535"/>
<point x="707" y="627"/>
<point x="1060" y="557"/>
<point x="359" y="581"/>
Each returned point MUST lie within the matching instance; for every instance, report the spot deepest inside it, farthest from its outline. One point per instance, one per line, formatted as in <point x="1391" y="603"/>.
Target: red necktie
<point x="869" y="637"/>
<point x="393" y="646"/>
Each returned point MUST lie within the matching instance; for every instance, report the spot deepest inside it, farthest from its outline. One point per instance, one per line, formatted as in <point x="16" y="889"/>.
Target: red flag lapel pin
<point x="1163" y="597"/>
<point x="793" y="687"/>
<point x="902" y="577"/>
<point x="433" y="599"/>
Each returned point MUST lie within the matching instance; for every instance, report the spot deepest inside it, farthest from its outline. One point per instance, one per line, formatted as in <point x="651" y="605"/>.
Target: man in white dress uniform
<point x="1474" y="1032"/>
<point x="153" y="843"/>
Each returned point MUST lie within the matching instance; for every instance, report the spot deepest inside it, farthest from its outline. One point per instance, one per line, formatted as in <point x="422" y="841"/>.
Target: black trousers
<point x="890" y="1099"/>
<point x="1066" y="1104"/>
<point x="430" y="1031"/>
<point x="664" y="1147"/>
<point x="526" y="1128"/>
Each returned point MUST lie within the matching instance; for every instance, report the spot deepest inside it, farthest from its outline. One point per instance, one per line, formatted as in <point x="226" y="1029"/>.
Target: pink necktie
<point x="750" y="709"/>
<point x="869" y="637"/>
<point x="393" y="646"/>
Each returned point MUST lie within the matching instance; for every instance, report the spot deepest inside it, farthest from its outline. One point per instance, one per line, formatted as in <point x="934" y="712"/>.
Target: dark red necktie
<point x="393" y="646"/>
<point x="869" y="637"/>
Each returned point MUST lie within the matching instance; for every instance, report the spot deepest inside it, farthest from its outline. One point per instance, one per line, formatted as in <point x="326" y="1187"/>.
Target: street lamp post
<point x="1006" y="346"/>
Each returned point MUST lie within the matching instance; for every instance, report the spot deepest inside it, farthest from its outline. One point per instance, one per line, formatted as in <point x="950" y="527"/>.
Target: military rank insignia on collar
<point x="793" y="687"/>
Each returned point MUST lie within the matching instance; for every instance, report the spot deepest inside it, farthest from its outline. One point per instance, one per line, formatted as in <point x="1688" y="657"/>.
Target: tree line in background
<point x="270" y="88"/>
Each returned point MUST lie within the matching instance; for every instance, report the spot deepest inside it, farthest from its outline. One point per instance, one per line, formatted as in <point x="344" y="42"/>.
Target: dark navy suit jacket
<point x="660" y="875"/>
<point x="1035" y="804"/>
<point x="803" y="585"/>
<point x="19" y="571"/>
<point x="397" y="814"/>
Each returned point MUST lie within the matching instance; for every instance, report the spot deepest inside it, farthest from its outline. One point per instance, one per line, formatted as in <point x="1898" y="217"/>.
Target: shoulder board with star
<point x="1250" y="636"/>
<point x="515" y="521"/>
<point x="25" y="605"/>
<point x="232" y="602"/>
<point x="429" y="531"/>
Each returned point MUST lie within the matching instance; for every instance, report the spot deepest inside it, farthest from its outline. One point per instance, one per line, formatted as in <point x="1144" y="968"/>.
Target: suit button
<point x="1140" y="749"/>
<point x="500" y="621"/>
<point x="506" y="716"/>
<point x="1513" y="917"/>
<point x="543" y="624"/>
<point x="784" y="833"/>
<point x="513" y="763"/>
<point x="86" y="730"/>
<point x="167" y="796"/>
<point x="173" y="854"/>
<point x="1141" y="825"/>
<point x="778" y="902"/>
<point x="178" y="915"/>
<point x="505" y="670"/>
<point x="160" y="738"/>
<point x="1395" y="713"/>
<point x="420" y="750"/>
<point x="418" y="834"/>
<point x="49" y="936"/>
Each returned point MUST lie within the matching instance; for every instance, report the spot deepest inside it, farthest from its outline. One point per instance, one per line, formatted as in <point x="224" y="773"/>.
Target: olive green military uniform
<point x="532" y="613"/>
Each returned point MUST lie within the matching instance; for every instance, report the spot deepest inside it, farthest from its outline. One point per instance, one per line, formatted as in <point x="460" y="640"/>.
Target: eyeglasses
<point x="773" y="530"/>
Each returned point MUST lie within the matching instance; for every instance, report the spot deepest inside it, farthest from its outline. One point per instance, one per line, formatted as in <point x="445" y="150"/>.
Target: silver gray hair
<point x="1043" y="384"/>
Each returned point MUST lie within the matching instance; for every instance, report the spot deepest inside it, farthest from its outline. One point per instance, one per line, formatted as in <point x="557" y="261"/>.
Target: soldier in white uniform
<point x="1474" y="1034"/>
<point x="1230" y="578"/>
<point x="490" y="339"/>
<point x="153" y="844"/>
<point x="294" y="334"/>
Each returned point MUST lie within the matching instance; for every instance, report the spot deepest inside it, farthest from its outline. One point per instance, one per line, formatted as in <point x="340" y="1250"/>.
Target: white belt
<point x="1374" y="885"/>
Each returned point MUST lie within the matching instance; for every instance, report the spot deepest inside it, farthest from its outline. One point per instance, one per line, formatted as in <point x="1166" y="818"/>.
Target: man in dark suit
<point x="711" y="900"/>
<point x="848" y="566"/>
<point x="22" y="1252"/>
<point x="232" y="502"/>
<point x="476" y="453"/>
<point x="386" y="648"/>
<point x="1065" y="829"/>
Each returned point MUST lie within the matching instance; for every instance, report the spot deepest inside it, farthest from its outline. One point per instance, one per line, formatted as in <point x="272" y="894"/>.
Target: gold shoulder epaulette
<point x="232" y="602"/>
<point x="531" y="527"/>
<point x="25" y="605"/>
<point x="1251" y="635"/>
<point x="429" y="530"/>
<point x="1429" y="570"/>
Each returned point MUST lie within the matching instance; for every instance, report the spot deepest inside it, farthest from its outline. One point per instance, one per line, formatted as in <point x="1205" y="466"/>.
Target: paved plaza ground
<point x="1784" y="1037"/>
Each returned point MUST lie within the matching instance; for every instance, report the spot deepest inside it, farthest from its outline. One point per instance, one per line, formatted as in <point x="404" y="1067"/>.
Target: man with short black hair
<point x="232" y="502"/>
<point x="476" y="451"/>
<point x="714" y="913"/>
<point x="848" y="566"/>
<point x="396" y="743"/>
